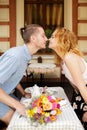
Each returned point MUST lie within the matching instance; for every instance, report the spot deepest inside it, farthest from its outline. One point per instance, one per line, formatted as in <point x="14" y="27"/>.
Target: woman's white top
<point x="67" y="73"/>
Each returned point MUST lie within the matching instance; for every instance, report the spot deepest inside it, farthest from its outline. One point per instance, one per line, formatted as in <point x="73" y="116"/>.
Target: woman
<point x="64" y="43"/>
<point x="13" y="64"/>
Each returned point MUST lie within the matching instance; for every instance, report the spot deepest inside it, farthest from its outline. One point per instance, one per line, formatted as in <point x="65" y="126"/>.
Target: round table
<point x="41" y="68"/>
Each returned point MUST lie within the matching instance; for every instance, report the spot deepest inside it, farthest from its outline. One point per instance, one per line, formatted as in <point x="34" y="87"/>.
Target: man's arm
<point x="20" y="88"/>
<point x="8" y="100"/>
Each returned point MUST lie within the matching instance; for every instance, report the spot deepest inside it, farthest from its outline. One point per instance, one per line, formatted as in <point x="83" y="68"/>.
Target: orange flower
<point x="39" y="102"/>
<point x="58" y="99"/>
<point x="53" y="100"/>
<point x="58" y="111"/>
<point x="53" y="118"/>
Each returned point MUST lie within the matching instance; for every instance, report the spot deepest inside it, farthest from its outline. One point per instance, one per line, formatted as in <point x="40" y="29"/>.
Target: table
<point x="67" y="120"/>
<point x="41" y="68"/>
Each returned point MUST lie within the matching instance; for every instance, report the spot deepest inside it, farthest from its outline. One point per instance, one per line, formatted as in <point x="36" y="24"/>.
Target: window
<point x="48" y="13"/>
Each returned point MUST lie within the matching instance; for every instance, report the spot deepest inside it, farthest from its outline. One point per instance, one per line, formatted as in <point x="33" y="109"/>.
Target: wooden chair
<point x="39" y="59"/>
<point x="29" y="75"/>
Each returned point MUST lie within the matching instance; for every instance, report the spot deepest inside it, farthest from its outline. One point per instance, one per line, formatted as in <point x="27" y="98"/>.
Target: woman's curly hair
<point x="67" y="42"/>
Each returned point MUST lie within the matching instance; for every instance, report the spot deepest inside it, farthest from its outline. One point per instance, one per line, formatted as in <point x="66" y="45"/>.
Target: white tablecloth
<point x="41" y="68"/>
<point x="67" y="120"/>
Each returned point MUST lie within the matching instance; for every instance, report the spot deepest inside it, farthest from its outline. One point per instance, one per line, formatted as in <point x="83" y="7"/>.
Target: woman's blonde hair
<point x="67" y="42"/>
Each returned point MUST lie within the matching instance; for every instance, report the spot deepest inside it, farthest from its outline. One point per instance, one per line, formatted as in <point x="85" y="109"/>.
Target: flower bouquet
<point x="44" y="109"/>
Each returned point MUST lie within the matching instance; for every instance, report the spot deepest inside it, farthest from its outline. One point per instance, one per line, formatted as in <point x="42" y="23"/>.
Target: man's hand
<point x="21" y="108"/>
<point x="27" y="95"/>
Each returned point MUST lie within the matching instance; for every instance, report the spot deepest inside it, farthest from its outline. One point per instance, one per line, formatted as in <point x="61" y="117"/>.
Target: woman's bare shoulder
<point x="71" y="56"/>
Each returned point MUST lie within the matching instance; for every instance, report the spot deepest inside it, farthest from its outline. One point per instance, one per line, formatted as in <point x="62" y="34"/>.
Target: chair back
<point x="39" y="59"/>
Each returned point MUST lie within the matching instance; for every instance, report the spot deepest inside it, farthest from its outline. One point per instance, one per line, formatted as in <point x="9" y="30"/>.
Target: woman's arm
<point x="74" y="67"/>
<point x="6" y="99"/>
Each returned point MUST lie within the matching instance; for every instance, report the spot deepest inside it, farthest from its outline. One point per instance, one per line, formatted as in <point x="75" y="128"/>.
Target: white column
<point x="68" y="14"/>
<point x="19" y="20"/>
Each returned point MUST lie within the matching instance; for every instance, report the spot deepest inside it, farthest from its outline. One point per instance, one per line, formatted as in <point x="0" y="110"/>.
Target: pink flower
<point x="58" y="105"/>
<point x="54" y="105"/>
<point x="39" y="110"/>
<point x="47" y="119"/>
<point x="34" y="103"/>
<point x="49" y="98"/>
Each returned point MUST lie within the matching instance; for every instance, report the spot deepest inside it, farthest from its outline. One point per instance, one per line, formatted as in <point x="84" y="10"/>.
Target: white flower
<point x="53" y="112"/>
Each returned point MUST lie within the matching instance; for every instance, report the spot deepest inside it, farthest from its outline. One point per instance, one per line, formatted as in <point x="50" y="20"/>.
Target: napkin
<point x="63" y="102"/>
<point x="36" y="91"/>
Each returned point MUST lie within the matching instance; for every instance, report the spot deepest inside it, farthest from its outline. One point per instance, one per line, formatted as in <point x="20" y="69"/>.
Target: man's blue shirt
<point x="13" y="64"/>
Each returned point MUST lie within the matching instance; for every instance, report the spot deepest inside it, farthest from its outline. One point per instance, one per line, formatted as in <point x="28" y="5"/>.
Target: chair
<point x="29" y="74"/>
<point x="39" y="60"/>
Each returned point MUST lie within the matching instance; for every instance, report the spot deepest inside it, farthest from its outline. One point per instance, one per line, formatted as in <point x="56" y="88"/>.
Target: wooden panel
<point x="82" y="29"/>
<point x="80" y="22"/>
<point x="5" y="15"/>
<point x="4" y="2"/>
<point x="75" y="16"/>
<point x="82" y="4"/>
<point x="81" y="11"/>
<point x="4" y="31"/>
<point x="82" y="45"/>
<point x="12" y="9"/>
<point x="82" y="1"/>
<point x="82" y="38"/>
<point x="4" y="23"/>
<point x="4" y="39"/>
<point x="8" y="23"/>
<point x="4" y="46"/>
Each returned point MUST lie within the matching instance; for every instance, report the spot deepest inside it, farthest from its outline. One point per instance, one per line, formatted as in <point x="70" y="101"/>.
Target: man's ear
<point x="33" y="38"/>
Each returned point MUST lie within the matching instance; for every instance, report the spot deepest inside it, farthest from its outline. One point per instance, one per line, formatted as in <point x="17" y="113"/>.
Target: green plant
<point x="48" y="34"/>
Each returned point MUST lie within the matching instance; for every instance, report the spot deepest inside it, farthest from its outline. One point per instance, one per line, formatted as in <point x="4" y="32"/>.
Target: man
<point x="13" y="64"/>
